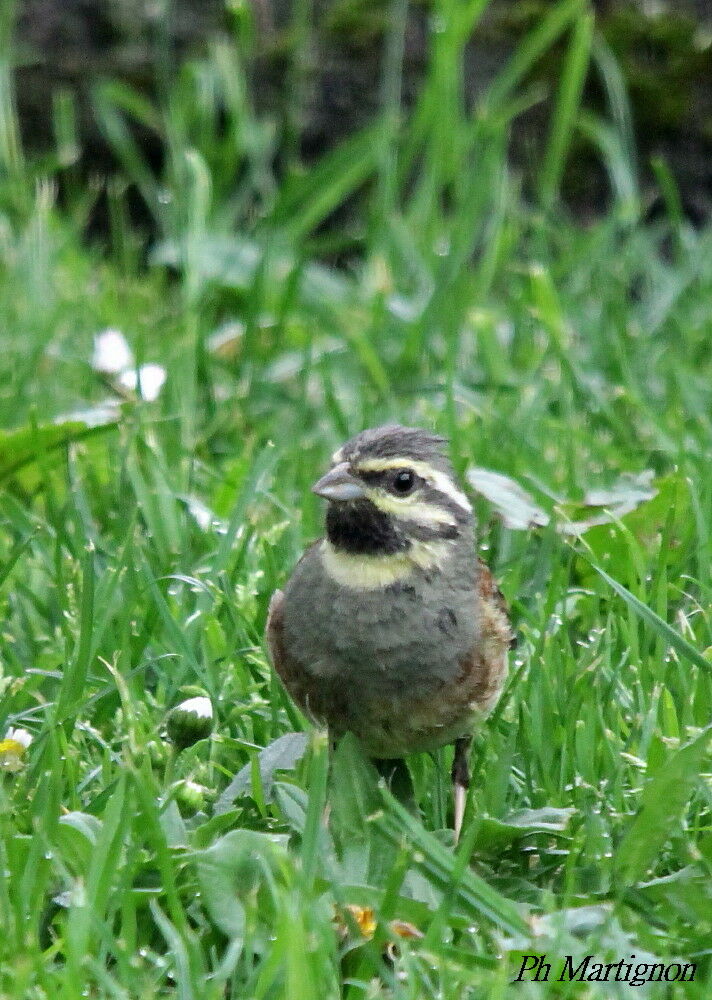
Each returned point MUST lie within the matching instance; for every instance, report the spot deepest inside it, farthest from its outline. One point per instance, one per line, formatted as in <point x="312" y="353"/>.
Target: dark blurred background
<point x="332" y="51"/>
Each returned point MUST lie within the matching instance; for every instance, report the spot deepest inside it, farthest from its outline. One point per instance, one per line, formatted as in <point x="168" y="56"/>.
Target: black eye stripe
<point x="372" y="478"/>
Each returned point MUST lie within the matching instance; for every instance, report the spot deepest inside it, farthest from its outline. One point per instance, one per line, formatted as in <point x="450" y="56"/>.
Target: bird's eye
<point x="404" y="481"/>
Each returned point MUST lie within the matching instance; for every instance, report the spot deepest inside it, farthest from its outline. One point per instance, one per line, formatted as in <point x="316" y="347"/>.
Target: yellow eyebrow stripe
<point x="433" y="476"/>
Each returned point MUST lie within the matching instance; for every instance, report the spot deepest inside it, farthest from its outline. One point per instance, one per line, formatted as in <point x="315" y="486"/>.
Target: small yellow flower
<point x="12" y="750"/>
<point x="365" y="919"/>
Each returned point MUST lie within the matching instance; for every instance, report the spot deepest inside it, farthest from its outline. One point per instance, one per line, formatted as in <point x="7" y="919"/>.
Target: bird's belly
<point x="395" y="727"/>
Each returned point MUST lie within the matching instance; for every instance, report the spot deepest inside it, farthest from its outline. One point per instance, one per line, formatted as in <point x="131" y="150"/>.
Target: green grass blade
<point x="661" y="627"/>
<point x="307" y="200"/>
<point x="318" y="775"/>
<point x="532" y="47"/>
<point x="15" y="555"/>
<point x="662" y="807"/>
<point x="566" y="106"/>
<point x="473" y="894"/>
<point x="71" y="692"/>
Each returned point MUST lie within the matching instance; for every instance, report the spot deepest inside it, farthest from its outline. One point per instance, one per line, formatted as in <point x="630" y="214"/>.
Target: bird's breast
<point x="411" y="634"/>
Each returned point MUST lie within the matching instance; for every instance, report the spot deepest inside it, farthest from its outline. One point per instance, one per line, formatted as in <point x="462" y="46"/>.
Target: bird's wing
<point x="491" y="594"/>
<point x="275" y="619"/>
<point x="273" y="629"/>
<point x="484" y="670"/>
<point x="293" y="674"/>
<point x="308" y="695"/>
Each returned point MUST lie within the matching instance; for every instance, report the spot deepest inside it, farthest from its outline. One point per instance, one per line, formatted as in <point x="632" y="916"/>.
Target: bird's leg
<point x="460" y="780"/>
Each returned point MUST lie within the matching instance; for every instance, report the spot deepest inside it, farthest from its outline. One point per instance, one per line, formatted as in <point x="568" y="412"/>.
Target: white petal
<point x="112" y="353"/>
<point x="20" y="736"/>
<point x="201" y="706"/>
<point x="150" y="378"/>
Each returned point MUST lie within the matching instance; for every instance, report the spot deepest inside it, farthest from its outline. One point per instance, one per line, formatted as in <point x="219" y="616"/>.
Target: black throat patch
<point x="362" y="529"/>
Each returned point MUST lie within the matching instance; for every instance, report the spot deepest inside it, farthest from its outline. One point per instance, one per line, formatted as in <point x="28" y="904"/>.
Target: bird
<point x="390" y="626"/>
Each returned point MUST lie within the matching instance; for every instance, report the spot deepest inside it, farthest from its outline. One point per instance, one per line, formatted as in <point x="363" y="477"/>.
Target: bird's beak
<point x="339" y="484"/>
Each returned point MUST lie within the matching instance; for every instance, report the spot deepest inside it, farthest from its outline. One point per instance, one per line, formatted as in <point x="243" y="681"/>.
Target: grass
<point x="137" y="557"/>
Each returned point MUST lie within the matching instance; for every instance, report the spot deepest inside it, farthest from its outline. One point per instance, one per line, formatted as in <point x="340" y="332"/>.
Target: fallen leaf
<point x="516" y="507"/>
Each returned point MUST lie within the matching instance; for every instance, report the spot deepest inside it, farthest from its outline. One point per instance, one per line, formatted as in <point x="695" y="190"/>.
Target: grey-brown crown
<point x="397" y="441"/>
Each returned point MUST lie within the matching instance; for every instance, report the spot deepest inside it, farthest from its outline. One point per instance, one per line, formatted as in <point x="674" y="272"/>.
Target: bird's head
<point x="393" y="495"/>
